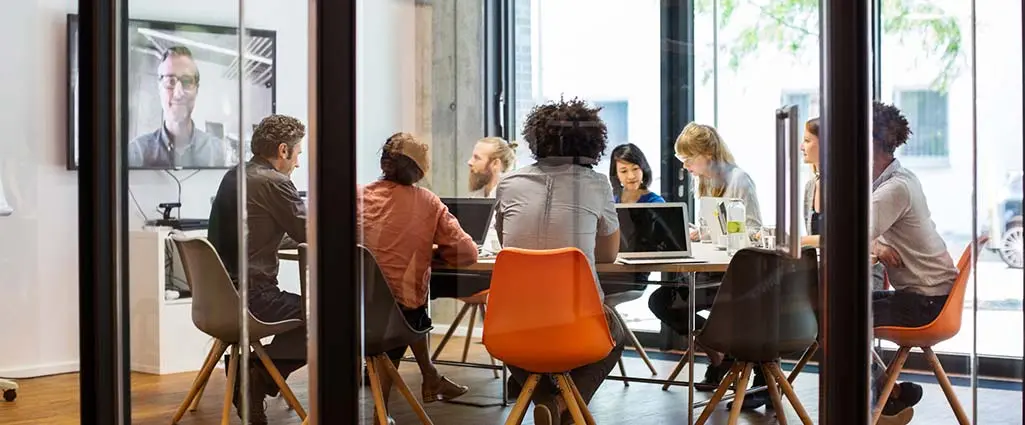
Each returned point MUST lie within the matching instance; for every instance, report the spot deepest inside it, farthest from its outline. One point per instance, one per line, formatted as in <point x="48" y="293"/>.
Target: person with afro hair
<point x="904" y="239"/>
<point x="561" y="201"/>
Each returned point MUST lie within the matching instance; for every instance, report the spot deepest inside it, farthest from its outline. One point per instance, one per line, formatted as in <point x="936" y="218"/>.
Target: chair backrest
<point x="385" y="326"/>
<point x="948" y="323"/>
<point x="767" y="306"/>
<point x="215" y="301"/>
<point x="549" y="300"/>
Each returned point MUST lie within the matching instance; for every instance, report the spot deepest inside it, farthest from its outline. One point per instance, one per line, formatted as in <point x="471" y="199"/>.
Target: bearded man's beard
<point x="479" y="180"/>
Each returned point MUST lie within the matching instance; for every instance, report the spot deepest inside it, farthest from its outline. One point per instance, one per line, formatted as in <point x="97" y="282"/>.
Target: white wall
<point x="39" y="251"/>
<point x="385" y="78"/>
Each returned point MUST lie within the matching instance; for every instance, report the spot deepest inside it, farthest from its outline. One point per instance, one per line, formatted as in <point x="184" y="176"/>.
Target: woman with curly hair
<point x="561" y="201"/>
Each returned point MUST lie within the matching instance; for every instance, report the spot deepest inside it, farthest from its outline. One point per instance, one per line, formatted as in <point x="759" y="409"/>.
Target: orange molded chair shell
<point x="544" y="311"/>
<point x="947" y="324"/>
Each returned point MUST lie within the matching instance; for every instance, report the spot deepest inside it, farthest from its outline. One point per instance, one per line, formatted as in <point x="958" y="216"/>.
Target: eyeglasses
<point x="682" y="158"/>
<point x="187" y="81"/>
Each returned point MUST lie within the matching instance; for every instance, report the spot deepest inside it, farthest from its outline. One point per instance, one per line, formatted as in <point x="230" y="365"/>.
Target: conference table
<point x="705" y="258"/>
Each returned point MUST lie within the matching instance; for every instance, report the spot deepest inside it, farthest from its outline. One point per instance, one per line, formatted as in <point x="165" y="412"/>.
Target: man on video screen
<point x="177" y="143"/>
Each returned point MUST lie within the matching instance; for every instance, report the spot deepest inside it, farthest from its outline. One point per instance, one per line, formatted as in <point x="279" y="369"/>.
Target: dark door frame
<point x="336" y="299"/>
<point x="102" y="229"/>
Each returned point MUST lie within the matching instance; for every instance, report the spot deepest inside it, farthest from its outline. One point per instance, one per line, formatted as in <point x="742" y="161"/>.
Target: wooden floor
<point x="54" y="400"/>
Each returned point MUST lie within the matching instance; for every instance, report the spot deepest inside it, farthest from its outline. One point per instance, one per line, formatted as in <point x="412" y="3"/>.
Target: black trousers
<point x="418" y="320"/>
<point x="904" y="309"/>
<point x="287" y="350"/>
<point x="451" y="285"/>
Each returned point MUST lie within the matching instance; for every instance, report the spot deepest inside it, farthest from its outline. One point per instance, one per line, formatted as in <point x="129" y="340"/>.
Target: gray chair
<point x="385" y="329"/>
<point x="767" y="307"/>
<point x="215" y="311"/>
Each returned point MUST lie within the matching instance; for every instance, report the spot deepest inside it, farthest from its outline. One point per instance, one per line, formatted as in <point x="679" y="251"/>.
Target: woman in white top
<point x="705" y="155"/>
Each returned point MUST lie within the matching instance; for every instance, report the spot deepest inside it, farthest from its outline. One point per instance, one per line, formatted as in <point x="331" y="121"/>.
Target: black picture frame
<point x="72" y="83"/>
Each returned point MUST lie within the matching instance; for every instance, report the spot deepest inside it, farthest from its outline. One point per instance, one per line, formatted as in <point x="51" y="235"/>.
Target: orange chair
<point x="944" y="327"/>
<point x="545" y="316"/>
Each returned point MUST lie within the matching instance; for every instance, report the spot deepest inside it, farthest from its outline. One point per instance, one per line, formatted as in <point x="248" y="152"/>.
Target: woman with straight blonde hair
<point x="704" y="154"/>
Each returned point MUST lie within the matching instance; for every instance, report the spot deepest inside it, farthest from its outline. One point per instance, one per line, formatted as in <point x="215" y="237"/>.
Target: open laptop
<point x="474" y="215"/>
<point x="654" y="233"/>
<point x="709" y="205"/>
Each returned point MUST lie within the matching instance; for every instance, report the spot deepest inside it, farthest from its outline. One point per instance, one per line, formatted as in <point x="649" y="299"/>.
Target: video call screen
<point x="183" y="93"/>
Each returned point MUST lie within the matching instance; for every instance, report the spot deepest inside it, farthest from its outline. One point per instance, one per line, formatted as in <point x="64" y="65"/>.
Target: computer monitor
<point x="474" y="215"/>
<point x="653" y="230"/>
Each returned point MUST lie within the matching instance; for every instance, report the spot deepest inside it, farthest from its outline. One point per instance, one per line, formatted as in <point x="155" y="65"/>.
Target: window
<point x="807" y="102"/>
<point x="926" y="111"/>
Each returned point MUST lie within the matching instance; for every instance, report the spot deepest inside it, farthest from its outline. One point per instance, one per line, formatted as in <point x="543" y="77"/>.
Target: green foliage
<point x="793" y="26"/>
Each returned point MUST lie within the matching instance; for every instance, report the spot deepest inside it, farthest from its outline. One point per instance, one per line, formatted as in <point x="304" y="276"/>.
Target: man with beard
<point x="492" y="157"/>
<point x="177" y="143"/>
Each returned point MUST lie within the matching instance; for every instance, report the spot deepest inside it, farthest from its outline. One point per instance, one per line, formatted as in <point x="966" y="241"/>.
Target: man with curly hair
<point x="277" y="219"/>
<point x="905" y="240"/>
<point x="561" y="201"/>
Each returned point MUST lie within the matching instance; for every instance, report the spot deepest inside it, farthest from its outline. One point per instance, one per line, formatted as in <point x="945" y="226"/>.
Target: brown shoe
<point x="444" y="390"/>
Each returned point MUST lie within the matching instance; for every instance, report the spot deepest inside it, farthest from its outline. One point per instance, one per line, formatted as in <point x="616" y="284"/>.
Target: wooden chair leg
<point x="192" y="399"/>
<point x="523" y="401"/>
<point x="676" y="371"/>
<point x="275" y="374"/>
<point x="588" y="419"/>
<point x="571" y="402"/>
<point x="216" y="352"/>
<point x="229" y="389"/>
<point x="788" y="390"/>
<point x="738" y="399"/>
<point x="385" y="363"/>
<point x="948" y="389"/>
<point x="469" y="332"/>
<point x="892" y="373"/>
<point x="720" y="391"/>
<point x="451" y="330"/>
<point x="777" y="401"/>
<point x="483" y="310"/>
<point x="636" y="343"/>
<point x="375" y="388"/>
<point x="808" y="354"/>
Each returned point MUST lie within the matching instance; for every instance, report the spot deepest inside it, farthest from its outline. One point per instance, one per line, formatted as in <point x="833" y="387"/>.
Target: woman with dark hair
<point x="812" y="191"/>
<point x="400" y="223"/>
<point x="630" y="175"/>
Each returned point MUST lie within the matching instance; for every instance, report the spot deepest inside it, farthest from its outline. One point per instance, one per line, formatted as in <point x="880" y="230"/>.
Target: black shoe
<point x="910" y="395"/>
<point x="260" y="384"/>
<point x="513" y="388"/>
<point x="713" y="377"/>
<point x="753" y="401"/>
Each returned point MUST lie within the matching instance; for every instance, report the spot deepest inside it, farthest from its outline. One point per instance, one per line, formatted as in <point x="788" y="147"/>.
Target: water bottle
<point x="736" y="228"/>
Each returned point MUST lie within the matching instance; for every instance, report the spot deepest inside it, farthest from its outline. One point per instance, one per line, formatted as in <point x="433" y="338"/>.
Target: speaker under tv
<point x="183" y="93"/>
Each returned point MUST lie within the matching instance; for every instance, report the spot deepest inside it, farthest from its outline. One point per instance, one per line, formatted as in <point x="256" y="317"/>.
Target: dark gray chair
<point x="385" y="329"/>
<point x="215" y="311"/>
<point x="765" y="308"/>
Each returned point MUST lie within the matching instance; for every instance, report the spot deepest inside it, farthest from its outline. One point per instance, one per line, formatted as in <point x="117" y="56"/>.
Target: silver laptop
<point x="653" y="232"/>
<point x="708" y="213"/>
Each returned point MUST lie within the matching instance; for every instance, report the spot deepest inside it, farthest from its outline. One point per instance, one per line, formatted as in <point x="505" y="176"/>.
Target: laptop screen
<point x="650" y="228"/>
<point x="474" y="215"/>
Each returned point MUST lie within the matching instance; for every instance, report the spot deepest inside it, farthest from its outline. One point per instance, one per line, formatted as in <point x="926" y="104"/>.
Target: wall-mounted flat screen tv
<point x="183" y="93"/>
